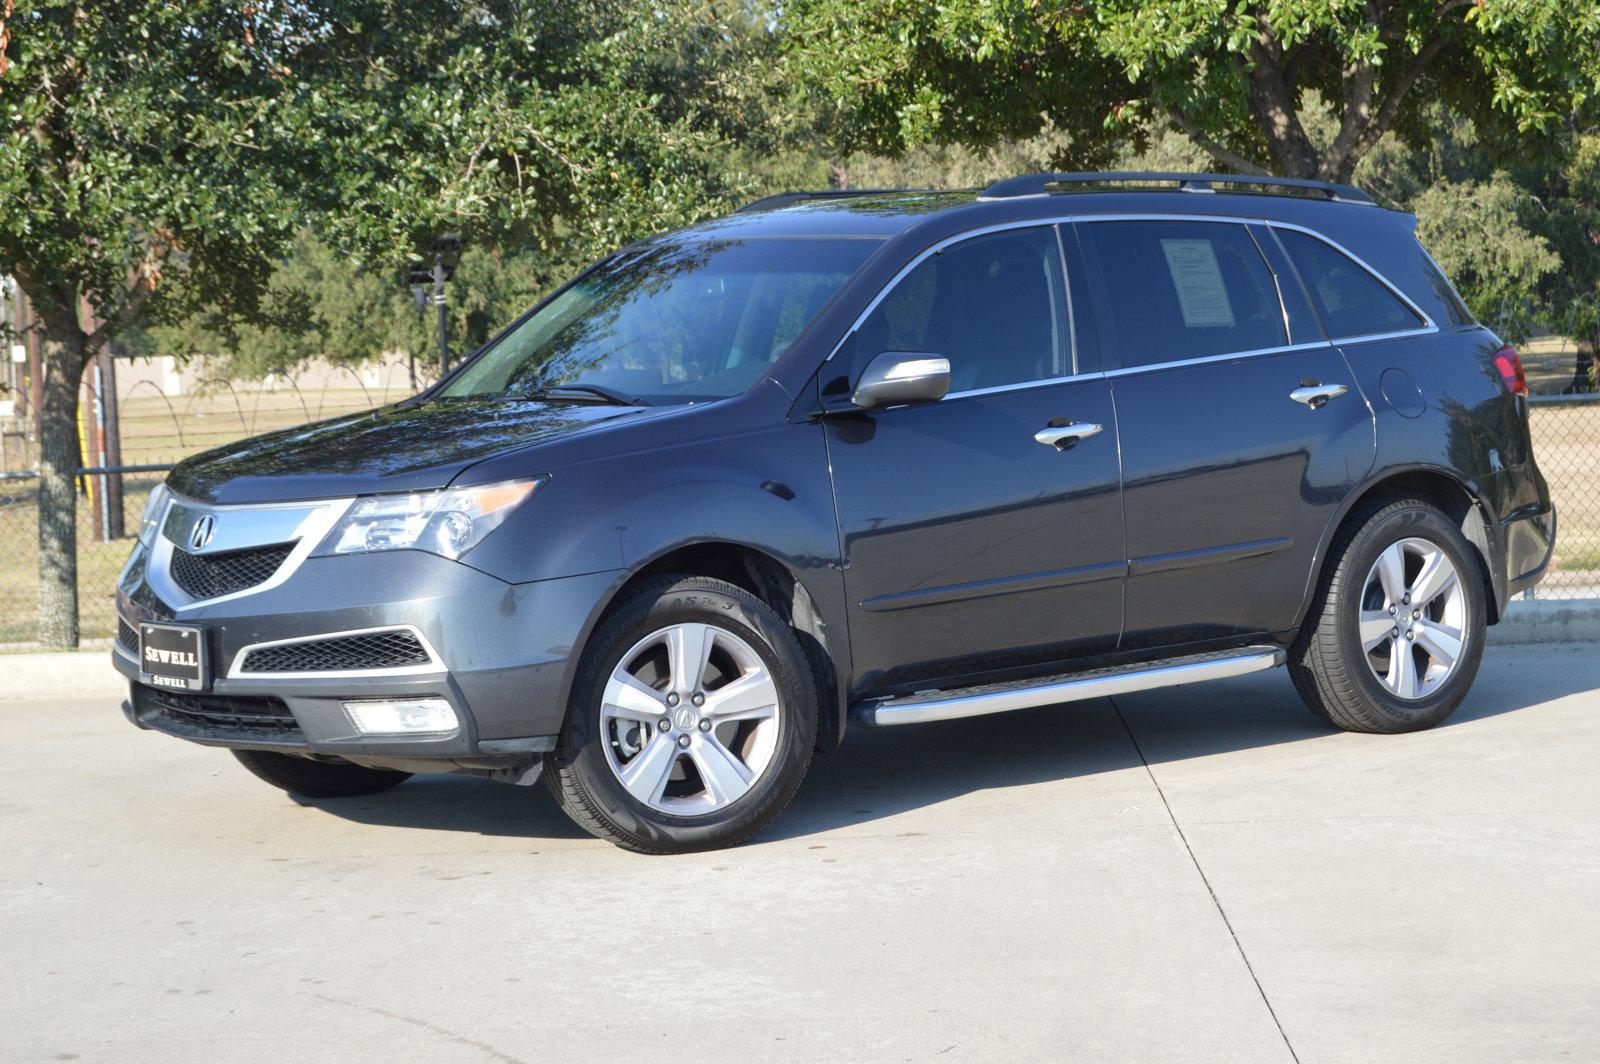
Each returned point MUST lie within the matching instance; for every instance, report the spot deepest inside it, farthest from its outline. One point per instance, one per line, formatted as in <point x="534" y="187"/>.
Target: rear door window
<point x="1180" y="290"/>
<point x="1349" y="299"/>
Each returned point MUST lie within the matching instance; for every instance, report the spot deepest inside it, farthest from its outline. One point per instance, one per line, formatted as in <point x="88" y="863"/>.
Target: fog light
<point x="403" y="716"/>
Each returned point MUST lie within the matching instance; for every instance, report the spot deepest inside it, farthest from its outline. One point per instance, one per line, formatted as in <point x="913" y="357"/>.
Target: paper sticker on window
<point x="1201" y="294"/>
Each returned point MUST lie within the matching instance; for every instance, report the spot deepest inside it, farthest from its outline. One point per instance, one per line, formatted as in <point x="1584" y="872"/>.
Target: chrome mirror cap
<point x="896" y="377"/>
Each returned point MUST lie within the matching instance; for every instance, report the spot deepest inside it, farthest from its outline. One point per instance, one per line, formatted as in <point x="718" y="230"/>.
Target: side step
<point x="1067" y="687"/>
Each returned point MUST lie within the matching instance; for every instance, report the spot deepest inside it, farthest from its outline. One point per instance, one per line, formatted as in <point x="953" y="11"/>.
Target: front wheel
<point x="691" y="723"/>
<point x="1395" y="634"/>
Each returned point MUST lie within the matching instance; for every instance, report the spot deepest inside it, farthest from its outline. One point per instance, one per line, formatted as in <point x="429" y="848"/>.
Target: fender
<point x="764" y="491"/>
<point x="1476" y="494"/>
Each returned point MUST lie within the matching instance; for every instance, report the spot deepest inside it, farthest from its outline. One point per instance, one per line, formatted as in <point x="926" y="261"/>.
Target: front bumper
<point x="503" y="655"/>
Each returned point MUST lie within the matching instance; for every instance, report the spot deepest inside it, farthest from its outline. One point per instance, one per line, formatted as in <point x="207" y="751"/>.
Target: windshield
<point x="670" y="322"/>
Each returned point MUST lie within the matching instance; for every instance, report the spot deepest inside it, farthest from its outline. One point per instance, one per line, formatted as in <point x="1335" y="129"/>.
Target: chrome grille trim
<point x="237" y="527"/>
<point x="434" y="665"/>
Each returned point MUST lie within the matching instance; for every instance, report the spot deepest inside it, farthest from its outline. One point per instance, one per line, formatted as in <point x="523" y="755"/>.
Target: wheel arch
<point x="767" y="577"/>
<point x="1453" y="494"/>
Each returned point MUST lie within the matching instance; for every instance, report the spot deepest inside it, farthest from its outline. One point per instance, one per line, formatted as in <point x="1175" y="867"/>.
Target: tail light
<point x="1509" y="363"/>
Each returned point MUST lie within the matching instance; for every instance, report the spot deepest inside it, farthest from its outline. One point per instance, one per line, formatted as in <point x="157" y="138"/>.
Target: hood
<point x="405" y="447"/>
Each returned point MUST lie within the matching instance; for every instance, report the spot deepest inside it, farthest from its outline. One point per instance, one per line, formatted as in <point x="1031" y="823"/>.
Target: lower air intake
<point x="393" y="649"/>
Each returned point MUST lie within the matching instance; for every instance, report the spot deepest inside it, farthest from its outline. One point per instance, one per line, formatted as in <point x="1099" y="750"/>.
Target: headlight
<point x="154" y="507"/>
<point x="448" y="523"/>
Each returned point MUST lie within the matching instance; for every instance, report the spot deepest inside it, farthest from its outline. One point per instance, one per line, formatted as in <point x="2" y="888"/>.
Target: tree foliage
<point x="321" y="306"/>
<point x="1233" y="74"/>
<point x="159" y="161"/>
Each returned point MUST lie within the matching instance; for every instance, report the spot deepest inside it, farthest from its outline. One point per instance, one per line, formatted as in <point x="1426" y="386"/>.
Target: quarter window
<point x="1181" y="290"/>
<point x="1349" y="299"/>
<point x="993" y="305"/>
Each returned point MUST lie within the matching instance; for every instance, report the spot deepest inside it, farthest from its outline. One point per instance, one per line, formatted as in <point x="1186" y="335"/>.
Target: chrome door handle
<point x="1316" y="395"/>
<point x="1063" y="436"/>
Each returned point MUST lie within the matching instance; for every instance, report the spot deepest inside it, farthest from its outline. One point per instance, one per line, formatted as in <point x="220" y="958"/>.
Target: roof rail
<point x="1040" y="184"/>
<point x="784" y="199"/>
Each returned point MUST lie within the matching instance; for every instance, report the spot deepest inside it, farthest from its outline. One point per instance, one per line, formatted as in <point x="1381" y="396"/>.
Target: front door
<point x="973" y="543"/>
<point x="1238" y="445"/>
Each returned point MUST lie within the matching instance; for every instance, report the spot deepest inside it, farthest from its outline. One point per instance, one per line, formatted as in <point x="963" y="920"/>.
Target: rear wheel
<point x="692" y="721"/>
<point x="318" y="779"/>
<point x="1395" y="635"/>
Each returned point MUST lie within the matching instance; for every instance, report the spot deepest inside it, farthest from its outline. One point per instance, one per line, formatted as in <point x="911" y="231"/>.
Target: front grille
<point x="209" y="575"/>
<point x="127" y="634"/>
<point x="370" y="650"/>
<point x="242" y="717"/>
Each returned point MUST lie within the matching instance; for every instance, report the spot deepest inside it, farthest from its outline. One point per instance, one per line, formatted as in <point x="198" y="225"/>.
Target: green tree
<point x="159" y="160"/>
<point x="1572" y="196"/>
<point x="320" y="305"/>
<point x="1479" y="231"/>
<point x="1232" y="74"/>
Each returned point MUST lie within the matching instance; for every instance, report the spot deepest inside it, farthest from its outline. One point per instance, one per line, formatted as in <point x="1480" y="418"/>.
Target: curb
<point x="1548" y="621"/>
<point x="89" y="673"/>
<point x="62" y="674"/>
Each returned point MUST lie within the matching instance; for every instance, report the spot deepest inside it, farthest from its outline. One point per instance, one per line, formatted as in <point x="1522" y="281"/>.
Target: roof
<point x="885" y="213"/>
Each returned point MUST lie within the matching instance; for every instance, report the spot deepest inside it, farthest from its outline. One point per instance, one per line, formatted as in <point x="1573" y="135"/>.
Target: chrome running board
<point x="1067" y="687"/>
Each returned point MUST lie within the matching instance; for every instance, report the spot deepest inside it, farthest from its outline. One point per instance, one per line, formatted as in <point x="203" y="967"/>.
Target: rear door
<point x="1242" y="429"/>
<point x="970" y="545"/>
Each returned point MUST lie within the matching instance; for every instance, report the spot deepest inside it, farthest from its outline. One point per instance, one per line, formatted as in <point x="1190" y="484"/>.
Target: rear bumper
<point x="1530" y="540"/>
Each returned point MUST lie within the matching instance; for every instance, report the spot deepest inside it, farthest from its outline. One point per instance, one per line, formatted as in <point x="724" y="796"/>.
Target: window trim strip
<point x="1429" y="326"/>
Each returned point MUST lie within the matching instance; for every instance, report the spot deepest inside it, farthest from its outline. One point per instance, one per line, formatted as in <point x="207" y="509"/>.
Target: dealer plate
<point x="173" y="656"/>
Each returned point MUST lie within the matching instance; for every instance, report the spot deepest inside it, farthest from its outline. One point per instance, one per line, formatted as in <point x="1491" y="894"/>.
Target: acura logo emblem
<point x="204" y="529"/>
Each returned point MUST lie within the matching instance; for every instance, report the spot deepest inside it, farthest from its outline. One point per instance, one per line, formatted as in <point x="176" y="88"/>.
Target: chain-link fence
<point x="158" y="429"/>
<point x="1566" y="443"/>
<point x="162" y="414"/>
<point x="100" y="556"/>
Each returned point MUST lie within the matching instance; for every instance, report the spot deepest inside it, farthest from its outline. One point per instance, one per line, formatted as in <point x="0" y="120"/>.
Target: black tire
<point x="579" y="774"/>
<point x="1329" y="667"/>
<point x="318" y="779"/>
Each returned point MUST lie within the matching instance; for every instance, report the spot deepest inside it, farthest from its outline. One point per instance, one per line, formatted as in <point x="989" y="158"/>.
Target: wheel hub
<point x="1413" y="618"/>
<point x="690" y="718"/>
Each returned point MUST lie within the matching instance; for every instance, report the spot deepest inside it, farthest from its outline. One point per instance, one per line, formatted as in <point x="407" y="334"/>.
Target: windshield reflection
<point x="669" y="322"/>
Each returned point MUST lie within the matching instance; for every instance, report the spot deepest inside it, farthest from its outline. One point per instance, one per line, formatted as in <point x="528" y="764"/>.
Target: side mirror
<point x="896" y="377"/>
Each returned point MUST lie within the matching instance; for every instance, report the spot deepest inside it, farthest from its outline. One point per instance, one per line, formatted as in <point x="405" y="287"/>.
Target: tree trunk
<point x="1583" y="372"/>
<point x="66" y="352"/>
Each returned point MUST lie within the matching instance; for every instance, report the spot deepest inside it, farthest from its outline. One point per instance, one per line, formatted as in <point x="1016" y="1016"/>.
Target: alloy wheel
<point x="1413" y="618"/>
<point x="690" y="719"/>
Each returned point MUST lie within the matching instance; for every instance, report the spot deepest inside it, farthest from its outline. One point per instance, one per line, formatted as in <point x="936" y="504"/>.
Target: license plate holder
<point x="172" y="656"/>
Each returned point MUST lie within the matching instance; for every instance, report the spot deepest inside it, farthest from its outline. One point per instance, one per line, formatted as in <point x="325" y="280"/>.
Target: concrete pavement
<point x="1195" y="874"/>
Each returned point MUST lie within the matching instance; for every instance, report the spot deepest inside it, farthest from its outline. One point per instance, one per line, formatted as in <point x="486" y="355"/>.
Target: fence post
<point x="111" y="445"/>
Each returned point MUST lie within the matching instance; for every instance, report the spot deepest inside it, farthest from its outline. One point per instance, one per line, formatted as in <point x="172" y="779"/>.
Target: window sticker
<point x="1198" y="280"/>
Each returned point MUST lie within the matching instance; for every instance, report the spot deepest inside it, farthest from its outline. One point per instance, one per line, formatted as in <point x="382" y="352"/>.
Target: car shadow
<point x="457" y="803"/>
<point x="877" y="774"/>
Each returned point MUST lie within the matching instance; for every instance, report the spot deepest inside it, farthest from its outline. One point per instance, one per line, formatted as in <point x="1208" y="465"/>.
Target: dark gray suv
<point x="865" y="460"/>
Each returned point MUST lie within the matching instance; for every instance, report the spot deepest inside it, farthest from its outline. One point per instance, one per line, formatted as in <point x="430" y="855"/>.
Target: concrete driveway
<point x="1200" y="874"/>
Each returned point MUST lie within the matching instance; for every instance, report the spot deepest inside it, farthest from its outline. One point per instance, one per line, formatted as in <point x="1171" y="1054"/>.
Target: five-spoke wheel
<point x="1395" y="632"/>
<point x="692" y="719"/>
<point x="1413" y="617"/>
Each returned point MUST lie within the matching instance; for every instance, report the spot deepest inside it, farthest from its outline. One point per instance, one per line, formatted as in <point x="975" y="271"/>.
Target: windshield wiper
<point x="585" y="393"/>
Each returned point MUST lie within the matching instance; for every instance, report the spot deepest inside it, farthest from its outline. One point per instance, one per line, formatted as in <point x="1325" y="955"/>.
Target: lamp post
<point x="422" y="275"/>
